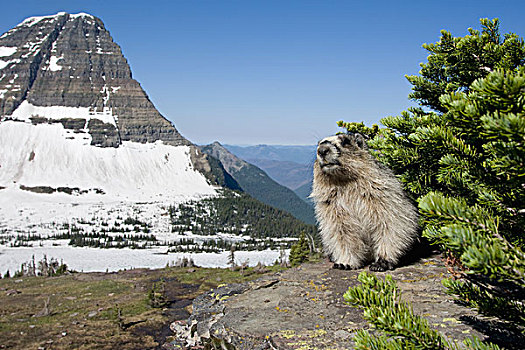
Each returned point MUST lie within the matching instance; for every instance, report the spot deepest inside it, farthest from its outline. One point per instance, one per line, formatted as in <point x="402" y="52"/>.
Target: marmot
<point x="363" y="213"/>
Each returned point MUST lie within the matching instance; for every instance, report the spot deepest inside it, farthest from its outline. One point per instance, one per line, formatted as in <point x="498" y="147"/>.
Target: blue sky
<point x="275" y="72"/>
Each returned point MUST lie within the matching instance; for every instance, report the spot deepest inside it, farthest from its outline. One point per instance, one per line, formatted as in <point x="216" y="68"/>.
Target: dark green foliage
<point x="217" y="245"/>
<point x="482" y="151"/>
<point x="472" y="233"/>
<point x="231" y="257"/>
<point x="236" y="213"/>
<point x="455" y="63"/>
<point x="300" y="251"/>
<point x="478" y="213"/>
<point x="103" y="240"/>
<point x="131" y="221"/>
<point x="383" y="307"/>
<point x="464" y="163"/>
<point x="360" y="128"/>
<point x="488" y="301"/>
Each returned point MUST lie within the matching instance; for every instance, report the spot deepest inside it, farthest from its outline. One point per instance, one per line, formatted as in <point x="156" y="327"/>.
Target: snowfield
<point x="49" y="155"/>
<point x="135" y="180"/>
<point x="93" y="259"/>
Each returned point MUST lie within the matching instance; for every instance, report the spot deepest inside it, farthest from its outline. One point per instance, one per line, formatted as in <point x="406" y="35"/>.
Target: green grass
<point x="73" y="297"/>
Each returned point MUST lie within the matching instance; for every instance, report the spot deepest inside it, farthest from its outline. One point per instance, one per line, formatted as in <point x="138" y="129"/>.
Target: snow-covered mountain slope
<point x="47" y="155"/>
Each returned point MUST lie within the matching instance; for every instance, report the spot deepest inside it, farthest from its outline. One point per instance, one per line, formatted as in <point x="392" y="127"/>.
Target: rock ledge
<point x="303" y="308"/>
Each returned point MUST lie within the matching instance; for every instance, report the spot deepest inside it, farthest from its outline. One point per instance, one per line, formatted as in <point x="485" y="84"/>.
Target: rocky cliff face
<point x="71" y="61"/>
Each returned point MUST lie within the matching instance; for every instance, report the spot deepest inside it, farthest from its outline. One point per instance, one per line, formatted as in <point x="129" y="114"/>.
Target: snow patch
<point x="7" y="51"/>
<point x="13" y="79"/>
<point x="26" y="110"/>
<point x="81" y="15"/>
<point x="53" y="66"/>
<point x="31" y="21"/>
<point x="4" y="64"/>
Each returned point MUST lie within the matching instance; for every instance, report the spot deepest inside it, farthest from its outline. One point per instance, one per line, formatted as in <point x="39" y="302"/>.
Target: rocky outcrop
<point x="71" y="61"/>
<point x="303" y="308"/>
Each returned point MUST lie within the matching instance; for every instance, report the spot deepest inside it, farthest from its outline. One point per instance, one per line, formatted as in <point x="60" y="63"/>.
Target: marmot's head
<point x="334" y="153"/>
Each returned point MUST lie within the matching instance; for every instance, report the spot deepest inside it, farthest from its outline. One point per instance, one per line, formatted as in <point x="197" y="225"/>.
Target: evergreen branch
<point x="477" y="344"/>
<point x="473" y="234"/>
<point x="455" y="210"/>
<point x="365" y="341"/>
<point x="383" y="308"/>
<point x="486" y="302"/>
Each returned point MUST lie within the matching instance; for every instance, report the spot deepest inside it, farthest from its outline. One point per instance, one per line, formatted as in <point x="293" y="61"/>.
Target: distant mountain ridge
<point x="290" y="166"/>
<point x="259" y="185"/>
<point x="304" y="192"/>
<point x="299" y="154"/>
<point x="290" y="174"/>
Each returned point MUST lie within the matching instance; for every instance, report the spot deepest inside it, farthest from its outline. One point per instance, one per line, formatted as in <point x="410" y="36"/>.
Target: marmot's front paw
<point x="344" y="267"/>
<point x="381" y="265"/>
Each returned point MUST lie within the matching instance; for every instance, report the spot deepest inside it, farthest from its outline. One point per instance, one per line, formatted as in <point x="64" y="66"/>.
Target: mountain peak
<point x="30" y="21"/>
<point x="66" y="68"/>
<point x="229" y="160"/>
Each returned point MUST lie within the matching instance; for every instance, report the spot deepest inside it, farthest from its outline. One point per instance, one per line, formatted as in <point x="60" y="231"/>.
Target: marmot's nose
<point x="323" y="150"/>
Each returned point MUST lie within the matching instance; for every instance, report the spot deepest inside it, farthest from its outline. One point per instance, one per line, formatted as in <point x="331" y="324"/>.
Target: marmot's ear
<point x="345" y="139"/>
<point x="360" y="141"/>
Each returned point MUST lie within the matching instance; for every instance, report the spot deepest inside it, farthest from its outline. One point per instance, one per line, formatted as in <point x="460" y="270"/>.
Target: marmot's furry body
<point x="362" y="211"/>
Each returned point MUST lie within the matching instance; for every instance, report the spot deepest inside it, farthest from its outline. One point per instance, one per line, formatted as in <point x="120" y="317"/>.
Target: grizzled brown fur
<point x="362" y="211"/>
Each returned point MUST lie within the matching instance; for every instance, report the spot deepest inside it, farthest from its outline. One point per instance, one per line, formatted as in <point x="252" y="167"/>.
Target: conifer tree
<point x="461" y="155"/>
<point x="300" y="251"/>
